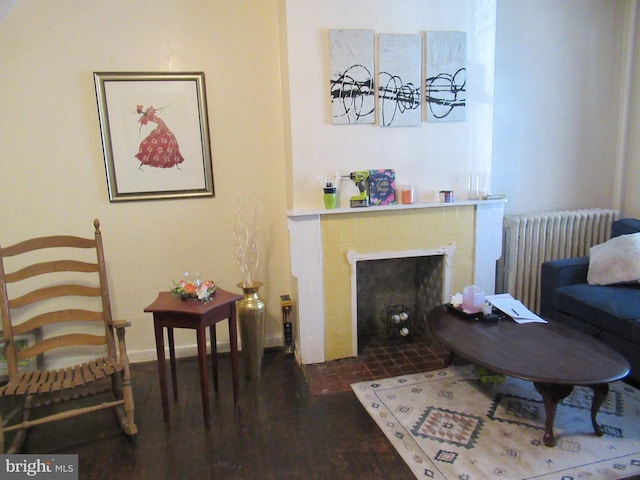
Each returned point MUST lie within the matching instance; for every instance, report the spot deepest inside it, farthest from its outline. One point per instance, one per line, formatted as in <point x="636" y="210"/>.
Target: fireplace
<point x="327" y="245"/>
<point x="392" y="293"/>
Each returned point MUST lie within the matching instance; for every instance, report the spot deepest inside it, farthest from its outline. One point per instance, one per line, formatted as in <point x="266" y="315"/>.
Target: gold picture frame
<point x="155" y="135"/>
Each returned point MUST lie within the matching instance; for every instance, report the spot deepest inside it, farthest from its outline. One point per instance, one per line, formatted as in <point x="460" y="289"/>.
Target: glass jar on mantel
<point x="252" y="318"/>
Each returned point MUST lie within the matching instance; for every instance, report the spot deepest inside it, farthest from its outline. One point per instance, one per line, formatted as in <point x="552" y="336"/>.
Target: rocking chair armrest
<point x="120" y="323"/>
<point x="4" y="340"/>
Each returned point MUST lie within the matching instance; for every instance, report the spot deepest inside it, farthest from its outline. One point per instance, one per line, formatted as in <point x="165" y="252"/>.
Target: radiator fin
<point x="531" y="239"/>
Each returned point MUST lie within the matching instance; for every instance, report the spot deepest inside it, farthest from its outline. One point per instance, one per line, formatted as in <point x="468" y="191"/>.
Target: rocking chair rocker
<point x="56" y="303"/>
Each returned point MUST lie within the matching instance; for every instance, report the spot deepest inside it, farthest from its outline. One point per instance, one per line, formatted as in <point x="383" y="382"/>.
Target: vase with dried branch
<point x="251" y="309"/>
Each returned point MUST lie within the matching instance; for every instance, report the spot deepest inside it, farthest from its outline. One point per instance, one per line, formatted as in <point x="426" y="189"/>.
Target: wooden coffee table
<point x="551" y="355"/>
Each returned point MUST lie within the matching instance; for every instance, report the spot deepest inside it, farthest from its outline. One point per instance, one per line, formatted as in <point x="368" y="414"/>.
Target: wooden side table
<point x="170" y="312"/>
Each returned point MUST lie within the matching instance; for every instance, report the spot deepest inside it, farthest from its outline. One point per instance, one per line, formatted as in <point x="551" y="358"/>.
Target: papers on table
<point x="514" y="308"/>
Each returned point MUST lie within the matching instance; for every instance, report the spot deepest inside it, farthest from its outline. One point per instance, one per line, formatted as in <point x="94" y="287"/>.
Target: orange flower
<point x="190" y="289"/>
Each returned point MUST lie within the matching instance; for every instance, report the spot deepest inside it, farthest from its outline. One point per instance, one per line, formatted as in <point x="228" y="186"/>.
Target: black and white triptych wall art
<point x="395" y="95"/>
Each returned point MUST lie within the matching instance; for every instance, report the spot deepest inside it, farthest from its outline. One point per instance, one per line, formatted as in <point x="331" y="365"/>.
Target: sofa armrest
<point x="558" y="273"/>
<point x="625" y="226"/>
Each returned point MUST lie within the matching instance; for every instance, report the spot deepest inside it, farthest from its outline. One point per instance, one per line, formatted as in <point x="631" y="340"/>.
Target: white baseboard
<point x="185" y="351"/>
<point x="135" y="356"/>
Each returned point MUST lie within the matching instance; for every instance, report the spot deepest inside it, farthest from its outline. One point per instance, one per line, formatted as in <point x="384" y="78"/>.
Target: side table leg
<point x="162" y="372"/>
<point x="233" y="340"/>
<point x="600" y="393"/>
<point x="172" y="360"/>
<point x="551" y="394"/>
<point x="202" y="366"/>
<point x="213" y="341"/>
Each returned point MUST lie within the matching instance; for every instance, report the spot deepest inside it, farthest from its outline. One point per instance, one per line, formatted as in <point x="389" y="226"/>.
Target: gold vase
<point x="252" y="319"/>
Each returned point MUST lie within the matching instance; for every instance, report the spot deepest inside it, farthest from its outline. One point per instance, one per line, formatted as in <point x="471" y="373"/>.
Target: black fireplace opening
<point x="394" y="296"/>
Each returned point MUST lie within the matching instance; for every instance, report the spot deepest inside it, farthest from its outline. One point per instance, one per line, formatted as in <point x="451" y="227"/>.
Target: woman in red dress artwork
<point x="160" y="148"/>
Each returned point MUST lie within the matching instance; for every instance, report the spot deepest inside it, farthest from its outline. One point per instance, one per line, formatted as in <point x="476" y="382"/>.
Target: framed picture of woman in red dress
<point x="155" y="135"/>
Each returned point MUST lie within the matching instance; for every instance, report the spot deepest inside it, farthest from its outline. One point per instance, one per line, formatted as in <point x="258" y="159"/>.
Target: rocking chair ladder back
<point x="42" y="302"/>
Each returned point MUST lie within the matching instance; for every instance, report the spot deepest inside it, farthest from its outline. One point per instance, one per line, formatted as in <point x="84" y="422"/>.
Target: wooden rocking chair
<point x="54" y="296"/>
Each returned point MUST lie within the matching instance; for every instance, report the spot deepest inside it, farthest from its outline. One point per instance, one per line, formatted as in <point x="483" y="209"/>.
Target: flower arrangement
<point x="202" y="291"/>
<point x="246" y="232"/>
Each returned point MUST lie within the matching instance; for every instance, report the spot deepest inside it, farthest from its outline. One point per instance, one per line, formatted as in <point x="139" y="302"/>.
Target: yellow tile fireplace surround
<point x="325" y="244"/>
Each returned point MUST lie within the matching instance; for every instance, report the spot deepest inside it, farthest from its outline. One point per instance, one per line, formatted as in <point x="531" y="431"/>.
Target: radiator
<point x="531" y="239"/>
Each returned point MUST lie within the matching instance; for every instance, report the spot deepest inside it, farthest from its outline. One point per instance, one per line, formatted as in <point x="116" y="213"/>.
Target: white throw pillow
<point x="615" y="261"/>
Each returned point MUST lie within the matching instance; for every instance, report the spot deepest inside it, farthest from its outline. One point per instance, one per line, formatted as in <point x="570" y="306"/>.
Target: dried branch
<point x="246" y="234"/>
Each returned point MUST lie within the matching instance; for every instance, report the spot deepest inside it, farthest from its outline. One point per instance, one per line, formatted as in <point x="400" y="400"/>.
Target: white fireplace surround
<point x="306" y="265"/>
<point x="354" y="257"/>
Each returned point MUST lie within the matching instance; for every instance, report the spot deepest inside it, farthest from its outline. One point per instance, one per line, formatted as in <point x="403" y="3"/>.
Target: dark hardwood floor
<point x="280" y="431"/>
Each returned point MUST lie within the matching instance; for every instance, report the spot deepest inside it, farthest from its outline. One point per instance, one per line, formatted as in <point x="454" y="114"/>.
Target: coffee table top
<point x="539" y="352"/>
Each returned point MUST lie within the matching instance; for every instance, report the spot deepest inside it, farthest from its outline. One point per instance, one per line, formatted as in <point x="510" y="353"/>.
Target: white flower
<point x="203" y="292"/>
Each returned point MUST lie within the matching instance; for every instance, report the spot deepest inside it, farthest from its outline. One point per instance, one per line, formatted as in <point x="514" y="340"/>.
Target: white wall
<point x="557" y="104"/>
<point x="631" y="174"/>
<point x="430" y="156"/>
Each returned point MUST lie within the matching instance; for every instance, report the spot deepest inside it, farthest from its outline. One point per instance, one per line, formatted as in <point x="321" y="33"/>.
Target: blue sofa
<point x="608" y="312"/>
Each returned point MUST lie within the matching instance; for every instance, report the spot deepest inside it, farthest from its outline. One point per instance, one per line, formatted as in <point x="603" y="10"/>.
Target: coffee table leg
<point x="551" y="393"/>
<point x="600" y="393"/>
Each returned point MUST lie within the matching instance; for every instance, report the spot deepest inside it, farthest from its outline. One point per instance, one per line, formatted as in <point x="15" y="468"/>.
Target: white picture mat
<point x="175" y="101"/>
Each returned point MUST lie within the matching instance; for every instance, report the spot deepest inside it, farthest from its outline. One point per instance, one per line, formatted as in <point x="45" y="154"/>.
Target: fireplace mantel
<point x="307" y="256"/>
<point x="305" y="212"/>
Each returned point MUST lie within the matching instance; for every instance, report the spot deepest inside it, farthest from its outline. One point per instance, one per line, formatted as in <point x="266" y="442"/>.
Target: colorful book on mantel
<point x="382" y="187"/>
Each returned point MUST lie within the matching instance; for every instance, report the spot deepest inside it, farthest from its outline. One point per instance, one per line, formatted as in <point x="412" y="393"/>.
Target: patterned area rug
<point x="446" y="424"/>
